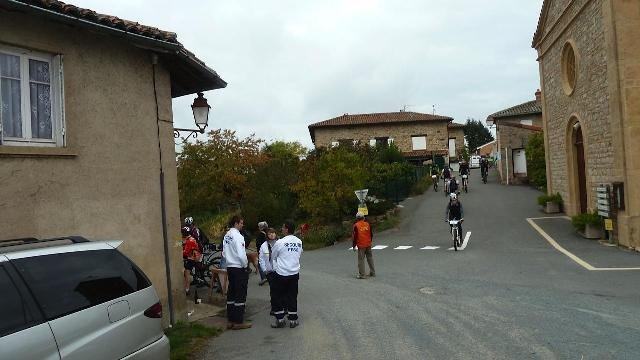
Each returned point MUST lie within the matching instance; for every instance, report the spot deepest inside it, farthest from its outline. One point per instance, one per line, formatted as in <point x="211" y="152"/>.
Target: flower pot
<point x="552" y="207"/>
<point x="592" y="232"/>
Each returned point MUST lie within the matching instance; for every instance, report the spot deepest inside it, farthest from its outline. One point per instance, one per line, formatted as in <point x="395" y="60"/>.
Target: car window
<point x="16" y="315"/>
<point x="69" y="282"/>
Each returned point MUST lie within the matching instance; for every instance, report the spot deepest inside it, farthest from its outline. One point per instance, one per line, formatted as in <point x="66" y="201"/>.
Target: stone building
<point x="456" y="140"/>
<point x="419" y="136"/>
<point x="589" y="61"/>
<point x="87" y="125"/>
<point x="514" y="126"/>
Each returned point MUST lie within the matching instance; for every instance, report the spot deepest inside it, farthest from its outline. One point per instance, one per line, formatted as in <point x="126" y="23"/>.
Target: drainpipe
<point x="163" y="207"/>
<point x="506" y="161"/>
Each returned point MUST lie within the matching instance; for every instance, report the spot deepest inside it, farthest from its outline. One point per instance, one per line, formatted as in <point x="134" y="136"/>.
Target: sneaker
<point x="241" y="326"/>
<point x="264" y="281"/>
<point x="372" y="274"/>
<point x="360" y="277"/>
<point x="293" y="323"/>
<point x="187" y="292"/>
<point x="279" y="324"/>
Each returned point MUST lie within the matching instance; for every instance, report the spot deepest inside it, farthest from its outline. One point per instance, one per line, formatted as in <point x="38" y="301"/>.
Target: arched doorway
<point x="580" y="169"/>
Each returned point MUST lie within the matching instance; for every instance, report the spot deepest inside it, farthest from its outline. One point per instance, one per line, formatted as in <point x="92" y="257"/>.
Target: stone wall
<point x="589" y="103"/>
<point x="512" y="138"/>
<point x="436" y="131"/>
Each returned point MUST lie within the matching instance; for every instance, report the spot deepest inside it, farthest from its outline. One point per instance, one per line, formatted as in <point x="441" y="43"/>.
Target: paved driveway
<point x="508" y="295"/>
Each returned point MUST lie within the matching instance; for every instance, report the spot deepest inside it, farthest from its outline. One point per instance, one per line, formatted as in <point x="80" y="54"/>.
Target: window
<point x="334" y="143"/>
<point x="382" y="141"/>
<point x="70" y="282"/>
<point x="345" y="142"/>
<point x="389" y="141"/>
<point x="569" y="68"/>
<point x="30" y="98"/>
<point x="419" y="142"/>
<point x="372" y="142"/>
<point x="526" y="122"/>
<point x="15" y="312"/>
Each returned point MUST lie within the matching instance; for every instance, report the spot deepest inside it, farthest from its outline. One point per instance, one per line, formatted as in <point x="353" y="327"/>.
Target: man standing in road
<point x="235" y="255"/>
<point x="362" y="237"/>
<point x="286" y="265"/>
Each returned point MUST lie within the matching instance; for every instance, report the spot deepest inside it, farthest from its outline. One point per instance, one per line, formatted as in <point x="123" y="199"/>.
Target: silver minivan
<point x="70" y="298"/>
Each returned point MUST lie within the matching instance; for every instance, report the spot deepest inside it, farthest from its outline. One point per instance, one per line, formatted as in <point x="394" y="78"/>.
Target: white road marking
<point x="464" y="242"/>
<point x="571" y="256"/>
<point x="402" y="247"/>
<point x="430" y="248"/>
<point x="380" y="247"/>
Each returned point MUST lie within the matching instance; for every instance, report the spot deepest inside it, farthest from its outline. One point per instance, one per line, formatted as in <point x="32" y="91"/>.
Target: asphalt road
<point x="508" y="295"/>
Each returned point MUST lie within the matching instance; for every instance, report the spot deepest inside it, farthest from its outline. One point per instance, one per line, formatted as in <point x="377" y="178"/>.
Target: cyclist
<point x="453" y="186"/>
<point x="454" y="211"/>
<point x="190" y="255"/>
<point x="484" y="168"/>
<point x="435" y="173"/>
<point x="196" y="232"/>
<point x="446" y="175"/>
<point x="464" y="172"/>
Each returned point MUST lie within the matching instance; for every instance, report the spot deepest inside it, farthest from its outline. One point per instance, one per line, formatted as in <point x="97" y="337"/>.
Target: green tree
<point x="476" y="134"/>
<point x="213" y="174"/>
<point x="536" y="163"/>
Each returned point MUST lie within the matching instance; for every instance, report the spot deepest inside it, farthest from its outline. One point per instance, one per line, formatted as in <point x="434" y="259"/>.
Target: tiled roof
<point x="528" y="108"/>
<point x="455" y="126"/>
<point x="379" y="118"/>
<point x="188" y="73"/>
<point x="102" y="19"/>
<point x="541" y="22"/>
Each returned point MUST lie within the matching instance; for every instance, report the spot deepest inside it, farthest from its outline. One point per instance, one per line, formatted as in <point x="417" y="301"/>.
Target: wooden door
<point x="582" y="178"/>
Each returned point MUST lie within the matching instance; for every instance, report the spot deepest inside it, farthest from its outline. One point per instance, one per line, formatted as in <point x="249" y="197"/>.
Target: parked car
<point x="70" y="298"/>
<point x="474" y="161"/>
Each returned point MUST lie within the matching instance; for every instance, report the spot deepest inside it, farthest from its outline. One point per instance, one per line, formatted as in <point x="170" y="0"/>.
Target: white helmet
<point x="188" y="220"/>
<point x="453" y="196"/>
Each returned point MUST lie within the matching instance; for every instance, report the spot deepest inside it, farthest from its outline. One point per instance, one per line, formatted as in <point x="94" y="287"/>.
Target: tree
<point x="536" y="163"/>
<point x="213" y="174"/>
<point x="476" y="134"/>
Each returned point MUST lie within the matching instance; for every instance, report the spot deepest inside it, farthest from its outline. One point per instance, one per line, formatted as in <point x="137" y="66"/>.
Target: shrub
<point x="320" y="236"/>
<point x="379" y="208"/>
<point x="556" y="198"/>
<point x="580" y="221"/>
<point x="421" y="185"/>
<point x="536" y="165"/>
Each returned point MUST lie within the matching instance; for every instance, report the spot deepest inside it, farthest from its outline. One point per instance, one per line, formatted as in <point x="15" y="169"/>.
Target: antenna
<point x="404" y="107"/>
<point x="434" y="109"/>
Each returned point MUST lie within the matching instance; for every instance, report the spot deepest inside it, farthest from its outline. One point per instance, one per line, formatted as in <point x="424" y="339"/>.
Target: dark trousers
<point x="236" y="294"/>
<point x="272" y="290"/>
<point x="286" y="296"/>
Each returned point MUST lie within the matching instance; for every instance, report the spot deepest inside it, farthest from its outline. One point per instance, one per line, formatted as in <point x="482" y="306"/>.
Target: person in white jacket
<point x="266" y="264"/>
<point x="286" y="265"/>
<point x="235" y="256"/>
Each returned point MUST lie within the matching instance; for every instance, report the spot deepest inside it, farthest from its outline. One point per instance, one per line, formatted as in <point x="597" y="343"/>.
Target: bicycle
<point x="465" y="182"/>
<point x="455" y="233"/>
<point x="446" y="187"/>
<point x="434" y="178"/>
<point x="484" y="177"/>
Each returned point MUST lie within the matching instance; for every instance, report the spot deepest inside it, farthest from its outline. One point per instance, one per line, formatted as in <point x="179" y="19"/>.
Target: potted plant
<point x="589" y="225"/>
<point x="551" y="204"/>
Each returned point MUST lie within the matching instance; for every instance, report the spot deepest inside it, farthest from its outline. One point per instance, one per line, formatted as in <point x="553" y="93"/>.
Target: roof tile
<point x="528" y="108"/>
<point x="379" y="118"/>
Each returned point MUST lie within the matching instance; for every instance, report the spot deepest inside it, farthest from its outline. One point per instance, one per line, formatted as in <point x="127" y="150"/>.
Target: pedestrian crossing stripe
<point x="402" y="247"/>
<point x="379" y="247"/>
<point x="430" y="248"/>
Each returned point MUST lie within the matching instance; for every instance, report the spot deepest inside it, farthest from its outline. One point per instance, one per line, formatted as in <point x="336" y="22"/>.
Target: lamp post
<point x="200" y="109"/>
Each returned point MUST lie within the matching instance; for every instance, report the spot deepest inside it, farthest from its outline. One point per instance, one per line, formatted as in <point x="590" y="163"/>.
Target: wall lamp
<point x="200" y="109"/>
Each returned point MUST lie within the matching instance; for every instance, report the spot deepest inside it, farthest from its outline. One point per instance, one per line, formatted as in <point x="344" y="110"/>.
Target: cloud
<point x="291" y="63"/>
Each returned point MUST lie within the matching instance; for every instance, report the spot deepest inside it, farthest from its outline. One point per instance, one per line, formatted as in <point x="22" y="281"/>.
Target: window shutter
<point x="372" y="142"/>
<point x="390" y="141"/>
<point x="58" y="100"/>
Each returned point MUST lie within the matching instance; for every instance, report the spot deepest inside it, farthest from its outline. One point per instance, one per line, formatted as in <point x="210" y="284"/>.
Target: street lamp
<point x="200" y="109"/>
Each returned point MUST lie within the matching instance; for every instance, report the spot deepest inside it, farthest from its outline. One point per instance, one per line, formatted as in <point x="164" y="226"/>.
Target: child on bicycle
<point x="454" y="211"/>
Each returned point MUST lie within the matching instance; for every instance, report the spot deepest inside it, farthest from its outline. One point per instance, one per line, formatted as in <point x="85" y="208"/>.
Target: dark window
<point x="15" y="314"/>
<point x="382" y="141"/>
<point x="69" y="282"/>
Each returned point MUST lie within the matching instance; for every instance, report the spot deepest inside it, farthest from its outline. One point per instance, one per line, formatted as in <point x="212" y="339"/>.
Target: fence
<point x="400" y="188"/>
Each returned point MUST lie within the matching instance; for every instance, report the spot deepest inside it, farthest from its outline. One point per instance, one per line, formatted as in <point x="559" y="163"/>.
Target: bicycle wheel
<point x="454" y="235"/>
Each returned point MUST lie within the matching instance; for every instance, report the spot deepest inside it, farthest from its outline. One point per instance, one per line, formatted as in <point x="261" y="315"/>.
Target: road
<point x="508" y="295"/>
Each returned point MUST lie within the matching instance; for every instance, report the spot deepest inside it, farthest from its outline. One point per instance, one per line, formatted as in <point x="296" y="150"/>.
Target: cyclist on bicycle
<point x="484" y="166"/>
<point x="454" y="211"/>
<point x="453" y="186"/>
<point x="446" y="175"/>
<point x="435" y="173"/>
<point x="464" y="172"/>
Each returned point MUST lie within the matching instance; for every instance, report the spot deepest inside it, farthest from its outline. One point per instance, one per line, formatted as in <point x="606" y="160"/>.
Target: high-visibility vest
<point x="364" y="234"/>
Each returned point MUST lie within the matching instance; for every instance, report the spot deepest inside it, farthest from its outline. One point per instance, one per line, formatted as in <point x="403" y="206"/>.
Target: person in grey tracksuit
<point x="286" y="265"/>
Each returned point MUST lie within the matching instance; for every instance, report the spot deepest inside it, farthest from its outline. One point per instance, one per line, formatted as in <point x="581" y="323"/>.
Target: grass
<point x="391" y="221"/>
<point x="186" y="339"/>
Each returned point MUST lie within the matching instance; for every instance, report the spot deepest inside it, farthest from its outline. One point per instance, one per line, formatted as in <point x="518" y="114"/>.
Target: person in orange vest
<point x="362" y="240"/>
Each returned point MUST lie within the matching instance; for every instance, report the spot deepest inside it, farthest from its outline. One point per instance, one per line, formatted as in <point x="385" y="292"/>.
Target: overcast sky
<point x="292" y="63"/>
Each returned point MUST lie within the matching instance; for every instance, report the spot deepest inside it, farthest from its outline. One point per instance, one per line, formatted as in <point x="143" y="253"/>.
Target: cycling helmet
<point x="453" y="196"/>
<point x="360" y="215"/>
<point x="185" y="231"/>
<point x="188" y="220"/>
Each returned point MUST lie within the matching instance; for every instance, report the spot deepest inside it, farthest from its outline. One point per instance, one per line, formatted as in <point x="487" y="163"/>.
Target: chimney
<point x="538" y="96"/>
